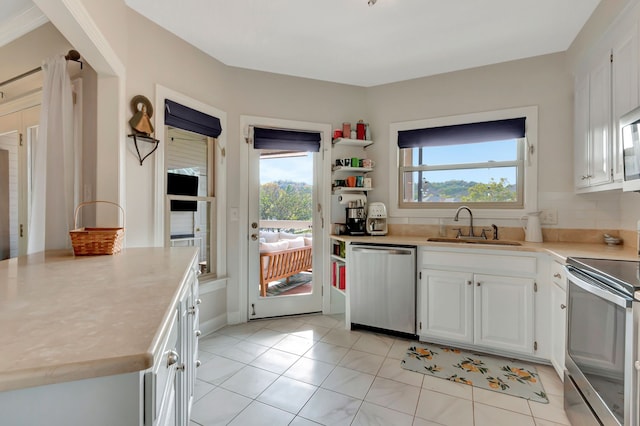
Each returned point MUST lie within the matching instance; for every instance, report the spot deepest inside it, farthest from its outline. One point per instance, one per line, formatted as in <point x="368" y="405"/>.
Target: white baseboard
<point x="214" y="324"/>
<point x="235" y="318"/>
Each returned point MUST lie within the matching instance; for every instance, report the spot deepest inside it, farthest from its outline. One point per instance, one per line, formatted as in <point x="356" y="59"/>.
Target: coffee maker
<point x="377" y="219"/>
<point x="356" y="218"/>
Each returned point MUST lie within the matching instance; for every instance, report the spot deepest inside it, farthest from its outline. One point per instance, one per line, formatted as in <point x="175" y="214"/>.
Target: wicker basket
<point x="95" y="241"/>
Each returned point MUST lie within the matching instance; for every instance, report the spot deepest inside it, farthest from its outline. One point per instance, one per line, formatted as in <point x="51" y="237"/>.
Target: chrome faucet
<point x="455" y="218"/>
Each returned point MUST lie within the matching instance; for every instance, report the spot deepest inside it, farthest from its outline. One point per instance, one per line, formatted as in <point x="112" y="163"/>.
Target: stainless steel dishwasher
<point x="382" y="288"/>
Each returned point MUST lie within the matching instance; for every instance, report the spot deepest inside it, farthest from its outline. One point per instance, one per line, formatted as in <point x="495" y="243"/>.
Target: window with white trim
<point x="480" y="164"/>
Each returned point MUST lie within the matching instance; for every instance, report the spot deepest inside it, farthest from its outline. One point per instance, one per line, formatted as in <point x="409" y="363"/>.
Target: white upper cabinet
<point x="624" y="89"/>
<point x="605" y="88"/>
<point x="581" y="123"/>
<point x="593" y="126"/>
<point x="599" y="144"/>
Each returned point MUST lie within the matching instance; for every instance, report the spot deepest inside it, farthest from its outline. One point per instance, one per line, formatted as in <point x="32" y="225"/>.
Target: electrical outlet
<point x="549" y="217"/>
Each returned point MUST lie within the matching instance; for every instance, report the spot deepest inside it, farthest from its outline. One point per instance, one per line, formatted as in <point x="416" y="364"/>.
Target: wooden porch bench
<point x="283" y="264"/>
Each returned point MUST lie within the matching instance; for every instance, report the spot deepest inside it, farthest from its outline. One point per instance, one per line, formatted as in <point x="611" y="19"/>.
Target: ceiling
<point x="348" y="41"/>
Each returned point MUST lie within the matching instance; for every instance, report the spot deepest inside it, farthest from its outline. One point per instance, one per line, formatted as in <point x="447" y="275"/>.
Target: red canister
<point x="346" y="130"/>
<point x="360" y="129"/>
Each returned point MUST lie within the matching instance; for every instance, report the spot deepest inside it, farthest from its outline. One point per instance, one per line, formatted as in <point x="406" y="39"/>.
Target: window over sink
<point x="484" y="160"/>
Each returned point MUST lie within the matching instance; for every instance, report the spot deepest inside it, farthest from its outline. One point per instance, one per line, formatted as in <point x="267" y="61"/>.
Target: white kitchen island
<point x="100" y="340"/>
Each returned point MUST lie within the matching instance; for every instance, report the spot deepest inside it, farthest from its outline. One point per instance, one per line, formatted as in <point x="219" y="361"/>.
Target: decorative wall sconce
<point x="141" y="126"/>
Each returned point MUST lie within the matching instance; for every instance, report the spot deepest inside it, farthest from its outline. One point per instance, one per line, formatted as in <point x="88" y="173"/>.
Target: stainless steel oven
<point x="601" y="377"/>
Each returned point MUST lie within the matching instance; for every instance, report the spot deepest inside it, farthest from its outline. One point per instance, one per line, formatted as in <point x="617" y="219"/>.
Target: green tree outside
<point x="285" y="200"/>
<point x="491" y="192"/>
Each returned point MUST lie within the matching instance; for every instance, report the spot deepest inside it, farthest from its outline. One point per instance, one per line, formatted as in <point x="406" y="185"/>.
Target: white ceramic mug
<point x="368" y="163"/>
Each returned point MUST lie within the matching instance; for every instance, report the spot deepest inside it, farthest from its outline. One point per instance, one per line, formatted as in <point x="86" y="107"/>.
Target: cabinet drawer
<point x="558" y="274"/>
<point x="479" y="262"/>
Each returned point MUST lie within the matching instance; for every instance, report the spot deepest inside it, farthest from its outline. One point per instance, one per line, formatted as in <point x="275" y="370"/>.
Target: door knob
<point x="562" y="306"/>
<point x="254" y="237"/>
<point x="254" y="225"/>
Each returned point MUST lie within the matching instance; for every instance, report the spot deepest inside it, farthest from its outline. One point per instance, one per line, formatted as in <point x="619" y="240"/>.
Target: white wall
<point x="543" y="81"/>
<point x="166" y="60"/>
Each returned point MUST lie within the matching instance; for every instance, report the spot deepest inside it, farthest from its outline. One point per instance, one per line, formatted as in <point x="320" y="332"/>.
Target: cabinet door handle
<point x="478" y="283"/>
<point x="198" y="301"/>
<point x="469" y="282"/>
<point x="172" y="358"/>
<point x="198" y="333"/>
<point x="557" y="275"/>
<point x="563" y="306"/>
<point x="198" y="363"/>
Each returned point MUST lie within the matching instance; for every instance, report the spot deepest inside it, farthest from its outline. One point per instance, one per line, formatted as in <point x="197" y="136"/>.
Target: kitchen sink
<point x="474" y="241"/>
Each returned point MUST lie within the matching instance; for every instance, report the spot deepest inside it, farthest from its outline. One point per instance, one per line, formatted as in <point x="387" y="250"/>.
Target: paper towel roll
<point x="346" y="198"/>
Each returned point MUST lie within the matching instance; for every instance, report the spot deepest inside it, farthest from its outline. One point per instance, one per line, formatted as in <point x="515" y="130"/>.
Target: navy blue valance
<point x="486" y="131"/>
<point x="289" y="140"/>
<point x="186" y="118"/>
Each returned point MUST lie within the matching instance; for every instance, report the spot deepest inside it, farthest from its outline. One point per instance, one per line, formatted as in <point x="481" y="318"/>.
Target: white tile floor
<point x="310" y="370"/>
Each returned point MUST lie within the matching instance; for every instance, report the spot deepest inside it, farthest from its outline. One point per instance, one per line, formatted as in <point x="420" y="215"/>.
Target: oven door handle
<point x="589" y="284"/>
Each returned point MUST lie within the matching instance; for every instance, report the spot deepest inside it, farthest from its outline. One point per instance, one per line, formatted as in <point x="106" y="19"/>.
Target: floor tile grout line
<point x="336" y="363"/>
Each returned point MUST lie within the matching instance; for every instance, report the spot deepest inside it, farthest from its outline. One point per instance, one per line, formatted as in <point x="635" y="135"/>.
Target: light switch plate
<point x="549" y="217"/>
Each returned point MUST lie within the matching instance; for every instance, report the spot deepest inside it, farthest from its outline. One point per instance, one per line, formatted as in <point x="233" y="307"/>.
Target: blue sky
<point x="296" y="169"/>
<point x="471" y="153"/>
<point x="300" y="169"/>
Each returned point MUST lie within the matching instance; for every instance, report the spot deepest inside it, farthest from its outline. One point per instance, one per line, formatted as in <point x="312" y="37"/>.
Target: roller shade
<point x="289" y="140"/>
<point x="186" y="118"/>
<point x="485" y="131"/>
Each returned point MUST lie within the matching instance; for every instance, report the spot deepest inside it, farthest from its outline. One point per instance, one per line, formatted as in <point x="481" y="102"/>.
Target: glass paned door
<point x="282" y="193"/>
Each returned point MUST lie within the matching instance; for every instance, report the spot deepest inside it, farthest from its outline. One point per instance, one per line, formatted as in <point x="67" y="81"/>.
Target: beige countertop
<point x="559" y="250"/>
<point x="67" y="318"/>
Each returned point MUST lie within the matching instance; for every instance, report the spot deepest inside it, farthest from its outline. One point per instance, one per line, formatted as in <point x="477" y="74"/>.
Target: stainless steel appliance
<point x="356" y="220"/>
<point x="377" y="219"/>
<point x="381" y="288"/>
<point x="601" y="377"/>
<point x="630" y="134"/>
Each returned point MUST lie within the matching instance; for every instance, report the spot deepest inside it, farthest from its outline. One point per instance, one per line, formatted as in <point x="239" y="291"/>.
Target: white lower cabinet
<point x="460" y="303"/>
<point x="503" y="312"/>
<point x="485" y="310"/>
<point x="160" y="383"/>
<point x="170" y="385"/>
<point x="559" y="325"/>
<point x="447" y="302"/>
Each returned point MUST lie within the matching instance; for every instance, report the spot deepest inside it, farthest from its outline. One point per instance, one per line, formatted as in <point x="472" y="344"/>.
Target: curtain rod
<point x="73" y="55"/>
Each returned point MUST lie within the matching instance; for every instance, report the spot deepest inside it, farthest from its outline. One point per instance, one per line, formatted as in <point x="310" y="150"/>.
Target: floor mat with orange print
<point x="490" y="372"/>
